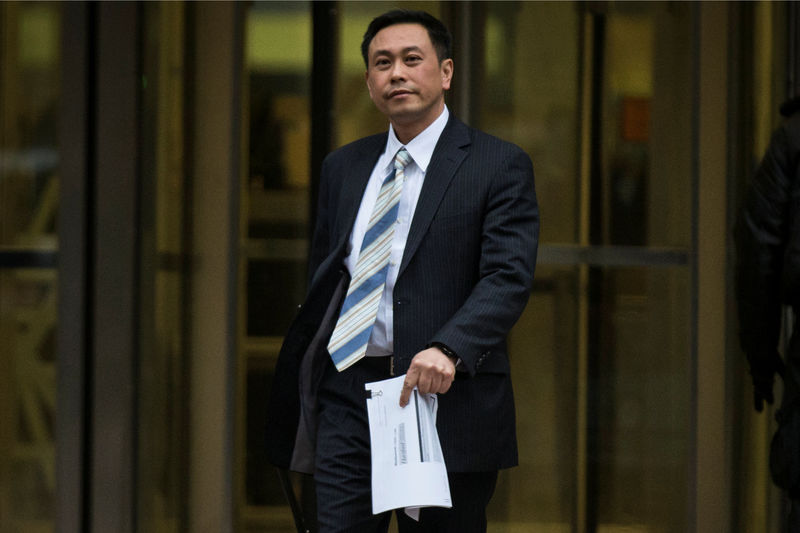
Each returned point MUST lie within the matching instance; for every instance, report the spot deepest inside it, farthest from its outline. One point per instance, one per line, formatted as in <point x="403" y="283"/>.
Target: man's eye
<point x="413" y="59"/>
<point x="381" y="63"/>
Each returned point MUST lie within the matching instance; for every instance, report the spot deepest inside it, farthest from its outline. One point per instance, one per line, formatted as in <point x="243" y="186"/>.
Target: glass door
<point x="29" y="164"/>
<point x="530" y="94"/>
<point x="163" y="415"/>
<point x="600" y="97"/>
<point x="276" y="200"/>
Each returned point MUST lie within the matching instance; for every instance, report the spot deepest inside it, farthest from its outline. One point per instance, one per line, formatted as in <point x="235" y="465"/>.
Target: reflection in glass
<point x="278" y="59"/>
<point x="646" y="114"/>
<point x="543" y="345"/>
<point x="642" y="398"/>
<point x="29" y="99"/>
<point x="530" y="96"/>
<point x="27" y="398"/>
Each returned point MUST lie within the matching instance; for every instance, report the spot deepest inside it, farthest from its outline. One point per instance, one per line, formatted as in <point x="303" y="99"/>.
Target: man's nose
<point x="398" y="70"/>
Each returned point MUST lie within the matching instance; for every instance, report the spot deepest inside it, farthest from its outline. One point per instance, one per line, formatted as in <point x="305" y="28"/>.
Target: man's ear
<point x="446" y="69"/>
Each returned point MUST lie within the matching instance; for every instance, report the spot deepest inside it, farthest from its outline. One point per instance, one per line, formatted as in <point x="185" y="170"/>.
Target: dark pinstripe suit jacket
<point x="464" y="280"/>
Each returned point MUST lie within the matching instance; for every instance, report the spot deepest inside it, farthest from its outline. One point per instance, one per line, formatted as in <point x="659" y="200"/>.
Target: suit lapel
<point x="448" y="155"/>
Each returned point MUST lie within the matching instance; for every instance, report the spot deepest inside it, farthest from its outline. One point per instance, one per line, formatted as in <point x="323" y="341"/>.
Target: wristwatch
<point x="447" y="351"/>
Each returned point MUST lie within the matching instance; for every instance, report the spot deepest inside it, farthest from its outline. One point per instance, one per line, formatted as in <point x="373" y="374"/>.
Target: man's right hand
<point x="762" y="390"/>
<point x="431" y="371"/>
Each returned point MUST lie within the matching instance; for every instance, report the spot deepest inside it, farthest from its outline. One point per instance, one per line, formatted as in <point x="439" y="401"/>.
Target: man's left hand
<point x="431" y="371"/>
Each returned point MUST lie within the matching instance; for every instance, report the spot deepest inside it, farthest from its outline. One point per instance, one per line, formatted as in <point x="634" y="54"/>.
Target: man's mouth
<point x="399" y="92"/>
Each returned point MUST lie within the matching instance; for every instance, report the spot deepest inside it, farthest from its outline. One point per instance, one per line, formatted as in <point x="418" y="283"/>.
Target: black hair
<point x="439" y="34"/>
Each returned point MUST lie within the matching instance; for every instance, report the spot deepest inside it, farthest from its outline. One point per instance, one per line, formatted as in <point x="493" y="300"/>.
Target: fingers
<point x="759" y="403"/>
<point x="408" y="386"/>
<point x="762" y="389"/>
<point x="760" y="397"/>
<point x="431" y="372"/>
<point x="427" y="382"/>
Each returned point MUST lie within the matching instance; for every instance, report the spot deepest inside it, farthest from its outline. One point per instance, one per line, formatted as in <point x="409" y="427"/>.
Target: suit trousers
<point x="343" y="472"/>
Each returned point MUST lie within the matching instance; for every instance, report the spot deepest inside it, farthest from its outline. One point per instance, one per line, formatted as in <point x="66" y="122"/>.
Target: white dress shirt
<point x="420" y="148"/>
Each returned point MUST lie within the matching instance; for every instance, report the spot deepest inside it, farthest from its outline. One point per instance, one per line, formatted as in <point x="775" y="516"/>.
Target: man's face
<point x="404" y="76"/>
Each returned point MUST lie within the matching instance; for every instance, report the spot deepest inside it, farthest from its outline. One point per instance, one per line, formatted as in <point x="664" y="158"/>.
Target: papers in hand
<point x="408" y="469"/>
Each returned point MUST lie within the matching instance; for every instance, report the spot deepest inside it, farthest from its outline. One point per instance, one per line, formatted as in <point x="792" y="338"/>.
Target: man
<point x="768" y="276"/>
<point x="460" y="253"/>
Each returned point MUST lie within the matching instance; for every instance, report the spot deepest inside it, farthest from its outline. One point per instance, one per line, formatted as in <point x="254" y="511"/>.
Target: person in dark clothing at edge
<point x="460" y="252"/>
<point x="767" y="237"/>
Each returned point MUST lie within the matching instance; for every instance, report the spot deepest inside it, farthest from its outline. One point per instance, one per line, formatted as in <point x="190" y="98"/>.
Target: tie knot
<point x="402" y="159"/>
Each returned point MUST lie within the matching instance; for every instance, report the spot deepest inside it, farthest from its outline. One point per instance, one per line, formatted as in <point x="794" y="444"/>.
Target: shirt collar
<point x="420" y="148"/>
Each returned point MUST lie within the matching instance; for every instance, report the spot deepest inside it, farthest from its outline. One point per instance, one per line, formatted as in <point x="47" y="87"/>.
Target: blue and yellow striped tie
<point x="348" y="343"/>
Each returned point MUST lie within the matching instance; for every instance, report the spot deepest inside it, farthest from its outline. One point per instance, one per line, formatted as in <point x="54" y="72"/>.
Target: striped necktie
<point x="348" y="342"/>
